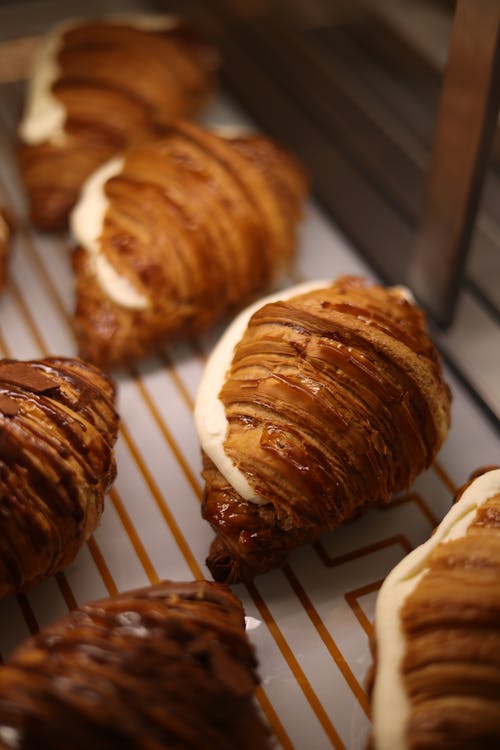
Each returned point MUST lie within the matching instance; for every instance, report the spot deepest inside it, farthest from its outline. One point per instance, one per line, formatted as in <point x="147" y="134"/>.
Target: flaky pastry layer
<point x="197" y="224"/>
<point x="164" y="667"/>
<point x="335" y="400"/>
<point x="436" y="678"/>
<point x="116" y="84"/>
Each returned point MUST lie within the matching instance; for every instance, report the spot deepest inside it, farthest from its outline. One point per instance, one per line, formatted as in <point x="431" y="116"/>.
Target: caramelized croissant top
<point x="437" y="677"/>
<point x="176" y="234"/>
<point x="163" y="667"/>
<point x="329" y="400"/>
<point x="99" y="86"/>
<point x="57" y="430"/>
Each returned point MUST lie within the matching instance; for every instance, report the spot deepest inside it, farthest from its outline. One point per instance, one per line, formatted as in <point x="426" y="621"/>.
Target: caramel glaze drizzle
<point x="163" y="667"/>
<point x="451" y="622"/>
<point x="58" y="426"/>
<point x="335" y="399"/>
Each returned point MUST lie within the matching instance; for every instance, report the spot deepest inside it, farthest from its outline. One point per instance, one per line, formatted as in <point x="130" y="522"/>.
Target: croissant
<point x="436" y="682"/>
<point x="57" y="430"/>
<point x="163" y="667"/>
<point x="5" y="234"/>
<point x="179" y="232"/>
<point x="313" y="405"/>
<point x="98" y="86"/>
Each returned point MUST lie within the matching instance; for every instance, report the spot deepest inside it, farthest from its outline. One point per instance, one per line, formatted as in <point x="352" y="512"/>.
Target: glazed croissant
<point x="321" y="402"/>
<point x="57" y="430"/>
<point x="437" y="634"/>
<point x="163" y="667"/>
<point x="188" y="227"/>
<point x="5" y="234"/>
<point x="98" y="86"/>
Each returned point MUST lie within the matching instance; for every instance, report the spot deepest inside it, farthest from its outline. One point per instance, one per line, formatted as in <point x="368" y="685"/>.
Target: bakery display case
<point x="353" y="91"/>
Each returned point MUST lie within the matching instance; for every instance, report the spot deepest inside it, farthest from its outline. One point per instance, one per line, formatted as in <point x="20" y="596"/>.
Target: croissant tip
<point x="223" y="566"/>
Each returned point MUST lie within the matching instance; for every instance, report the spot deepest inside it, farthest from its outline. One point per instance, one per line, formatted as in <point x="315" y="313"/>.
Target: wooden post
<point x="467" y="119"/>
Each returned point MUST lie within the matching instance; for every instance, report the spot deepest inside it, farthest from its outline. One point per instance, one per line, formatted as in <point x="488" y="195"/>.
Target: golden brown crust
<point x="5" y="235"/>
<point x="198" y="224"/>
<point x="118" y="85"/>
<point x="58" y="426"/>
<point x="163" y="667"/>
<point x="451" y="621"/>
<point x="335" y="399"/>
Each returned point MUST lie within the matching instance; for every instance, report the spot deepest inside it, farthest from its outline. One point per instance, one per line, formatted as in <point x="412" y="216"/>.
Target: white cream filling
<point x="86" y="222"/>
<point x="44" y="114"/>
<point x="405" y="293"/>
<point x="230" y="131"/>
<point x="391" y="707"/>
<point x="210" y="415"/>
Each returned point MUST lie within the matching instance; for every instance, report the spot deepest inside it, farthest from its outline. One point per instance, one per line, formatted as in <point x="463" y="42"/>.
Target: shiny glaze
<point x="197" y="229"/>
<point x="162" y="667"/>
<point x="335" y="399"/>
<point x="56" y="463"/>
<point x="113" y="85"/>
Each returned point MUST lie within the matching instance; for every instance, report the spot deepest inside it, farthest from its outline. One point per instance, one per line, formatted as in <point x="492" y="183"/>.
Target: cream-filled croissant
<point x="175" y="234"/>
<point x="5" y="234"/>
<point x="168" y="666"/>
<point x="313" y="405"/>
<point x="97" y="87"/>
<point x="436" y="682"/>
<point x="58" y="427"/>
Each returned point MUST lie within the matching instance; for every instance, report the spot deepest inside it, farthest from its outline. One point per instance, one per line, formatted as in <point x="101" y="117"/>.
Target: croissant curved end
<point x="224" y="567"/>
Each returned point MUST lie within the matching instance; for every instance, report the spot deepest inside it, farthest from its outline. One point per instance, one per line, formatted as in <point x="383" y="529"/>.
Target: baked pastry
<point x="176" y="234"/>
<point x="98" y="86"/>
<point x="5" y="233"/>
<point x="58" y="426"/>
<point x="163" y="667"/>
<point x="436" y="682"/>
<point x="314" y="404"/>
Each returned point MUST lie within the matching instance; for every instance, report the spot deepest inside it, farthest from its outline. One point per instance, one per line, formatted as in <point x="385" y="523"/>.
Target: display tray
<point x="311" y="620"/>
